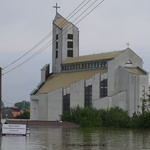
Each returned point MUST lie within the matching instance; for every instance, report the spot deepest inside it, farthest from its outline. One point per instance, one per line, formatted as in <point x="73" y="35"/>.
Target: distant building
<point x="10" y="112"/>
<point x="103" y="80"/>
<point x="15" y="112"/>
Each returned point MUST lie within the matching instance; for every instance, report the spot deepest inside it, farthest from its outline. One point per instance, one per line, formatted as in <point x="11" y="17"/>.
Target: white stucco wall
<point x="119" y="100"/>
<point x="77" y="94"/>
<point x="113" y="72"/>
<point x="34" y="109"/>
<point x="54" y="105"/>
<point x="96" y="86"/>
<point x="104" y="103"/>
<point x="43" y="106"/>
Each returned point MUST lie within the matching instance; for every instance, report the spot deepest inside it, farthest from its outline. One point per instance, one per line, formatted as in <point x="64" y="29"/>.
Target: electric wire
<point x="69" y="16"/>
<point x="48" y="44"/>
<point x="41" y="41"/>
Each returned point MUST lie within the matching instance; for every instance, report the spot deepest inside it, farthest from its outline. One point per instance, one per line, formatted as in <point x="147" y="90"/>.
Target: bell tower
<point x="65" y="41"/>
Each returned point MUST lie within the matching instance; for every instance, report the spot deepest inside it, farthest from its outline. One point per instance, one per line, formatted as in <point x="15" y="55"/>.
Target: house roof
<point x="94" y="57"/>
<point x="136" y="70"/>
<point x="63" y="80"/>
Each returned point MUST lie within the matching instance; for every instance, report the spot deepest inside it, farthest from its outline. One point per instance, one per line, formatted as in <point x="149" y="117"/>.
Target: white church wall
<point x="55" y="61"/>
<point x="66" y="91"/>
<point x="113" y="65"/>
<point x="103" y="103"/>
<point x="96" y="86"/>
<point x="42" y="106"/>
<point x="123" y="79"/>
<point x="75" y="41"/>
<point x="70" y="29"/>
<point x="45" y="72"/>
<point x="119" y="100"/>
<point x="88" y="82"/>
<point x="77" y="94"/>
<point x="55" y="105"/>
<point x="103" y="76"/>
<point x="133" y="94"/>
<point x="34" y="109"/>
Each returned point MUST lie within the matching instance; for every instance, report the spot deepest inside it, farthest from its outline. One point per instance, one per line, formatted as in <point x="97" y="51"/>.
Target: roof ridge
<point x="92" y="57"/>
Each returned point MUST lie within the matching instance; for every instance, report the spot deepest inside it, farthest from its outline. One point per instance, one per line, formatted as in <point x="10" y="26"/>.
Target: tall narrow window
<point x="70" y="44"/>
<point x="70" y="36"/>
<point x="66" y="103"/>
<point x="88" y="96"/>
<point x="56" y="54"/>
<point x="56" y="45"/>
<point x="103" y="88"/>
<point x="56" y="36"/>
<point x="70" y="53"/>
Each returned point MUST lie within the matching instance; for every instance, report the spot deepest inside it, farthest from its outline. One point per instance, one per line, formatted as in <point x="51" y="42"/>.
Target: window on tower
<point x="56" y="45"/>
<point x="70" y="44"/>
<point x="70" y="53"/>
<point x="70" y="36"/>
<point x="56" y="36"/>
<point x="56" y="54"/>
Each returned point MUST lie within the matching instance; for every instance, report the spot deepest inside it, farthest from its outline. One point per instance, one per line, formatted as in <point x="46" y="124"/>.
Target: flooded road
<point x="78" y="139"/>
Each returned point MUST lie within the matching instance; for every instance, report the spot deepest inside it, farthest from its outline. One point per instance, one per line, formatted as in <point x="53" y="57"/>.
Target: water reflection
<point x="79" y="139"/>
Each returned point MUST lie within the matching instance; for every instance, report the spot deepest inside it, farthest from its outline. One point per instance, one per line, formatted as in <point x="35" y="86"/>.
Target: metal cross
<point x="128" y="44"/>
<point x="56" y="7"/>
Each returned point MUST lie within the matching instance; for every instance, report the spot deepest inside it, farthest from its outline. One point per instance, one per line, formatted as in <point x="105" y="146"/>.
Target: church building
<point x="103" y="80"/>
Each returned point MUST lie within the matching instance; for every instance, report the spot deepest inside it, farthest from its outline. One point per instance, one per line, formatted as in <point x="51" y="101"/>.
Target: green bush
<point x="116" y="117"/>
<point x="141" y="120"/>
<point x="113" y="117"/>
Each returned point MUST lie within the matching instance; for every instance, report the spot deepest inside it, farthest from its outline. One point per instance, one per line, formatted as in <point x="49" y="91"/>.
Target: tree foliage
<point x="22" y="105"/>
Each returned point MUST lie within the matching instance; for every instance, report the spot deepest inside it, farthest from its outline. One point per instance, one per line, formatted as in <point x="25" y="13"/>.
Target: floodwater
<point x="78" y="139"/>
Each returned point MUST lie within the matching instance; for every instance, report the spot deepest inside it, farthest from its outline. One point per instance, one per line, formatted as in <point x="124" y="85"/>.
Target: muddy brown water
<point x="73" y="138"/>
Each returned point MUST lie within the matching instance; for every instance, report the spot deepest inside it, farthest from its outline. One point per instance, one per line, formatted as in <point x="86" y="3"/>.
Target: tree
<point x="146" y="102"/>
<point x="22" y="105"/>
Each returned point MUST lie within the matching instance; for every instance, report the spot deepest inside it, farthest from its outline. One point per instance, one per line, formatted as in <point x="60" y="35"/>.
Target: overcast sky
<point x="23" y="23"/>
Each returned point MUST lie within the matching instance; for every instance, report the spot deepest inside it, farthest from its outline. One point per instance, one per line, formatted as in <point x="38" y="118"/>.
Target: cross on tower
<point x="56" y="7"/>
<point x="128" y="44"/>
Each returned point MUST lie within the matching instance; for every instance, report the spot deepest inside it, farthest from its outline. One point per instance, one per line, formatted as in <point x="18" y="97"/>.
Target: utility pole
<point x="0" y="97"/>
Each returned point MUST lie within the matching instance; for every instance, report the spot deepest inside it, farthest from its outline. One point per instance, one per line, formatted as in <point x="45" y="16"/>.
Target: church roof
<point x="60" y="21"/>
<point x="94" y="57"/>
<point x="137" y="71"/>
<point x="63" y="80"/>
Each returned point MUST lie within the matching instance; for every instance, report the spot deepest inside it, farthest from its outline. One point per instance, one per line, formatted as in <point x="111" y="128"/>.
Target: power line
<point x="40" y="42"/>
<point x="49" y="43"/>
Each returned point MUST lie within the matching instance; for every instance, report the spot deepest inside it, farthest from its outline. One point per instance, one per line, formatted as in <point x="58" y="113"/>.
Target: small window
<point x="70" y="53"/>
<point x="56" y="45"/>
<point x="56" y="36"/>
<point x="56" y="54"/>
<point x="66" y="103"/>
<point x="70" y="36"/>
<point x="70" y="44"/>
<point x="88" y="96"/>
<point x="103" y="88"/>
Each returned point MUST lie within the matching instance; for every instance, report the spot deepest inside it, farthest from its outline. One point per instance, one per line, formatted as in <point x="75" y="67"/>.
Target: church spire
<point x="56" y="7"/>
